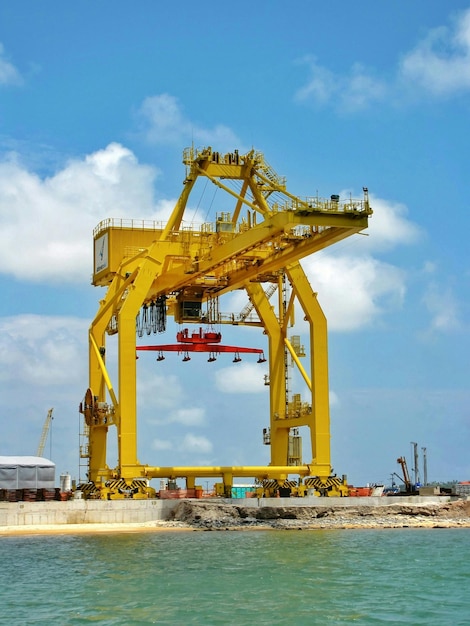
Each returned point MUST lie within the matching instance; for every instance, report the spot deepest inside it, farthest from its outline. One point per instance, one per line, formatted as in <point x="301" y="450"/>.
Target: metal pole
<point x="415" y="456"/>
<point x="425" y="466"/>
<point x="50" y="439"/>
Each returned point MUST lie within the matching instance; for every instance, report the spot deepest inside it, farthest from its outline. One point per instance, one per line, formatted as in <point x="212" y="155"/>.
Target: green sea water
<point x="324" y="577"/>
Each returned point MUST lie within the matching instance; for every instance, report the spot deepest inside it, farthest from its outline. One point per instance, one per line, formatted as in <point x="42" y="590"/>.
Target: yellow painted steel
<point x="139" y="262"/>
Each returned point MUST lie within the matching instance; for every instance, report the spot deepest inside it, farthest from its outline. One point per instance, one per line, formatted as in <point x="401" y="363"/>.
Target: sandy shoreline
<point x="152" y="527"/>
<point x="79" y="529"/>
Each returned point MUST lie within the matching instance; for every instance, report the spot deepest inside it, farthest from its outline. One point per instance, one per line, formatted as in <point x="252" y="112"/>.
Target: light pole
<point x="415" y="456"/>
<point x="425" y="466"/>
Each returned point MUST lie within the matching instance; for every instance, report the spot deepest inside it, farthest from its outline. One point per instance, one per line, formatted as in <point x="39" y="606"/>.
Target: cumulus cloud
<point x="9" y="75"/>
<point x="352" y="91"/>
<point x="53" y="218"/>
<point x="389" y="226"/>
<point x="439" y="65"/>
<point x="355" y="288"/>
<point x="162" y="397"/>
<point x="354" y="291"/>
<point x="42" y="351"/>
<point x="189" y="417"/>
<point x="334" y="399"/>
<point x="43" y="365"/>
<point x="442" y="307"/>
<point x="163" y="121"/>
<point x="162" y="444"/>
<point x="158" y="392"/>
<point x="196" y="443"/>
<point x="242" y="378"/>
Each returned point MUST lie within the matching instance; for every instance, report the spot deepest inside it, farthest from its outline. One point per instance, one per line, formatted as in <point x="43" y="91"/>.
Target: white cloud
<point x="161" y="444"/>
<point x="321" y="85"/>
<point x="429" y="267"/>
<point x="163" y="119"/>
<point x="354" y="288"/>
<point x="43" y="364"/>
<point x="349" y="92"/>
<point x="42" y="351"/>
<point x="156" y="391"/>
<point x="389" y="226"/>
<point x="334" y="399"/>
<point x="354" y="291"/>
<point x="9" y="75"/>
<point x="196" y="443"/>
<point x="443" y="308"/>
<point x="164" y="394"/>
<point x="241" y="378"/>
<point x="440" y="63"/>
<point x="52" y="219"/>
<point x="163" y="122"/>
<point x="189" y="417"/>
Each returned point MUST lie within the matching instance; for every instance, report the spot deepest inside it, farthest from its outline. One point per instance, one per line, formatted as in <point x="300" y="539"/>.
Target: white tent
<point x="26" y="472"/>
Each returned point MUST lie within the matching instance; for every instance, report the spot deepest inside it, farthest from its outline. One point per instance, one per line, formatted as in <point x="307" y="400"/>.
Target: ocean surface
<point x="324" y="577"/>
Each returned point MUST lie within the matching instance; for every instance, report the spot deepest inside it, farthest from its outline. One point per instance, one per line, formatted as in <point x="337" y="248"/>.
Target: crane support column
<point x="127" y="372"/>
<point x="320" y="424"/>
<point x="277" y="385"/>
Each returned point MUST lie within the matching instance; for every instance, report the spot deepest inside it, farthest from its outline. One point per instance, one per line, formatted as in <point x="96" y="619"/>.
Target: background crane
<point x="410" y="488"/>
<point x="45" y="432"/>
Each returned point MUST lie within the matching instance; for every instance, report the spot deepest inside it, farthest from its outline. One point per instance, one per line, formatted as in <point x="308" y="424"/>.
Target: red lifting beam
<point x="201" y="342"/>
<point x="199" y="347"/>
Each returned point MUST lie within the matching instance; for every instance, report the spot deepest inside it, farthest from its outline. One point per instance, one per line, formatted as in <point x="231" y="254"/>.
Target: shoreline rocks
<point x="201" y="515"/>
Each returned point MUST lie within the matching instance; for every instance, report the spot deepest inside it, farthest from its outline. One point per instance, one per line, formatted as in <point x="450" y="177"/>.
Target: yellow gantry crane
<point x="152" y="270"/>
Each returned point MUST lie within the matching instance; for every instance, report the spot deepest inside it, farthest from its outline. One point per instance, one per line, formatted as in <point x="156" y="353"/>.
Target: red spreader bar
<point x="199" y="347"/>
<point x="201" y="342"/>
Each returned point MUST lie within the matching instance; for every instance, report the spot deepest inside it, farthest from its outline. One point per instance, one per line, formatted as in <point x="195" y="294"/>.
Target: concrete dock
<point x="130" y="511"/>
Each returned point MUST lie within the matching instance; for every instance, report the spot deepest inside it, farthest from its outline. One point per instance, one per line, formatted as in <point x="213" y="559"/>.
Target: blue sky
<point x="97" y="103"/>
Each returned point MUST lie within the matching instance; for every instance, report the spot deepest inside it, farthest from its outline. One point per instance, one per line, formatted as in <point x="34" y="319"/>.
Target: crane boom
<point x="406" y="477"/>
<point x="45" y="432"/>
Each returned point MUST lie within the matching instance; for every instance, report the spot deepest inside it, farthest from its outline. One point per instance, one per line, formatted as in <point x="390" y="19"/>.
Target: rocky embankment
<point x="219" y="516"/>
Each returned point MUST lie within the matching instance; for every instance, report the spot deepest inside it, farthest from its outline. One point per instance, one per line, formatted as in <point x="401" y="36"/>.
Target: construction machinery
<point x="45" y="432"/>
<point x="152" y="270"/>
<point x="409" y="487"/>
